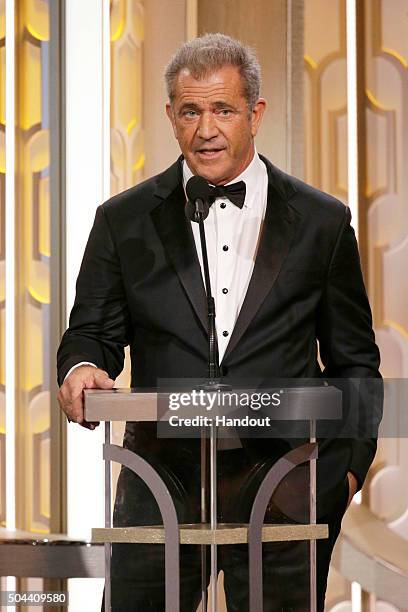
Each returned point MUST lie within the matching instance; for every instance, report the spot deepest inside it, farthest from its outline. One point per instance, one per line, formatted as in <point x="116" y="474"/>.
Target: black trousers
<point x="137" y="583"/>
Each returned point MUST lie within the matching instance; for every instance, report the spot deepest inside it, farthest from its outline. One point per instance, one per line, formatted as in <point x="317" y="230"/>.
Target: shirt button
<point x="223" y="205"/>
<point x="225" y="290"/>
<point x="225" y="248"/>
<point x="225" y="333"/>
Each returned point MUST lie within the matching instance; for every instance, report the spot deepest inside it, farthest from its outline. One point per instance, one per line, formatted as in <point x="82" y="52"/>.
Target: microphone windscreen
<point x="198" y="188"/>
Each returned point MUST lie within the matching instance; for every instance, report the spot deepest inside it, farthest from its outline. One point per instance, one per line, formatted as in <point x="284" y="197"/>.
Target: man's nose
<point x="207" y="127"/>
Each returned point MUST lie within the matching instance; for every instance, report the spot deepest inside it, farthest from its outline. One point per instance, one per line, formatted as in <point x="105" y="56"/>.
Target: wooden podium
<point x="306" y="404"/>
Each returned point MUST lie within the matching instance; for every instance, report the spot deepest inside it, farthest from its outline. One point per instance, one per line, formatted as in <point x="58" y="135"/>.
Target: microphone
<point x="198" y="194"/>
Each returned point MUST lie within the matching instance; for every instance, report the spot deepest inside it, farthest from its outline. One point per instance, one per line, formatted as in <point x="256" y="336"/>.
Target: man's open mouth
<point x="209" y="152"/>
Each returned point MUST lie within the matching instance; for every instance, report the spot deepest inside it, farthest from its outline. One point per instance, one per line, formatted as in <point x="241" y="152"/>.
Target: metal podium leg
<point x="203" y="518"/>
<point x="312" y="507"/>
<point x="162" y="495"/>
<point x="213" y="498"/>
<point x="108" y="498"/>
<point x="273" y="477"/>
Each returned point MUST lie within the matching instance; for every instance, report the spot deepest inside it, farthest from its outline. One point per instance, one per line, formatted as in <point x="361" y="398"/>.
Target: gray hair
<point x="204" y="55"/>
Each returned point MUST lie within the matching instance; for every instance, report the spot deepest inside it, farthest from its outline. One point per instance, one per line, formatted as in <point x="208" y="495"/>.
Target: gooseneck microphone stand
<point x="213" y="365"/>
<point x="197" y="209"/>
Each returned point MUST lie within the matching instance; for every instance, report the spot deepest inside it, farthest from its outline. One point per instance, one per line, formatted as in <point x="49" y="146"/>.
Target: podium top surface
<point x="148" y="404"/>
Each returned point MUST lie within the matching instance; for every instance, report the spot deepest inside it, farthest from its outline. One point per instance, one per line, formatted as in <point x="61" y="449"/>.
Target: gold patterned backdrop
<point x="325" y="117"/>
<point x="127" y="153"/>
<point x="32" y="217"/>
<point x="386" y="115"/>
<point x="33" y="255"/>
<point x="382" y="50"/>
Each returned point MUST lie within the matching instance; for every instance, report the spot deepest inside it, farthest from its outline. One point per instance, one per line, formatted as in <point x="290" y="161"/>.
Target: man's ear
<point x="257" y="114"/>
<point x="170" y="114"/>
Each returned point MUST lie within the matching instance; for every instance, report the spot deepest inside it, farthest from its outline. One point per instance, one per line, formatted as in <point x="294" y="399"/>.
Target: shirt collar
<point x="252" y="176"/>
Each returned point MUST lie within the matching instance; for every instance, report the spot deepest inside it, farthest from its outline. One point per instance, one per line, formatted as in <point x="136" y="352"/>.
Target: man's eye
<point x="225" y="112"/>
<point x="190" y="113"/>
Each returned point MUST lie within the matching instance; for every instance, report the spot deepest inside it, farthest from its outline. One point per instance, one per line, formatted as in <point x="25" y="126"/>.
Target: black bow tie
<point x="235" y="193"/>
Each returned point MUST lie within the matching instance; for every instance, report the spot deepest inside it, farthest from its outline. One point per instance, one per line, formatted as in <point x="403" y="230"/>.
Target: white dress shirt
<point x="232" y="235"/>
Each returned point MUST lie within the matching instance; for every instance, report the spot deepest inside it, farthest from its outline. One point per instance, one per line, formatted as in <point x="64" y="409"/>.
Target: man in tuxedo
<point x="286" y="276"/>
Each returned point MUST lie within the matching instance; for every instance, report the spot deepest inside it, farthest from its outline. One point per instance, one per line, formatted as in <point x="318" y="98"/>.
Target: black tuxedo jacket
<point x="140" y="284"/>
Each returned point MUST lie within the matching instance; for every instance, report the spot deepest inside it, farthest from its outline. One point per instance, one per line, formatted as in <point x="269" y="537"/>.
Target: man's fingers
<point x="99" y="380"/>
<point x="70" y="399"/>
<point x="89" y="424"/>
<point x="76" y="408"/>
<point x="102" y="380"/>
<point x="64" y="400"/>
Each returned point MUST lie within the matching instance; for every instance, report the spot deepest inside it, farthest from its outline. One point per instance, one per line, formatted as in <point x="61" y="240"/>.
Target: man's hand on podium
<point x="70" y="394"/>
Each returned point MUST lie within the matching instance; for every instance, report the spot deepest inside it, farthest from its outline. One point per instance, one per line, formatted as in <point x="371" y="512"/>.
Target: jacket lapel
<point x="177" y="238"/>
<point x="275" y="240"/>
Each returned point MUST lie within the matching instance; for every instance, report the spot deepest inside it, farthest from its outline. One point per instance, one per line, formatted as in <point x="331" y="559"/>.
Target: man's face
<point x="213" y="125"/>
